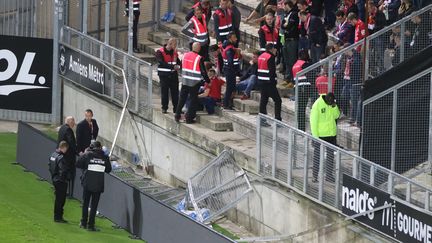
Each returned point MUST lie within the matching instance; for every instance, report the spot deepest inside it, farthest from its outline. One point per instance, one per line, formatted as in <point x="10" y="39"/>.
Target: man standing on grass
<point x="94" y="164"/>
<point x="67" y="134"/>
<point x="59" y="170"/>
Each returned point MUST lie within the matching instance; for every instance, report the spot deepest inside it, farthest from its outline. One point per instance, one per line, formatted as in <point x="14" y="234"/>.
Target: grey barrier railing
<point x="373" y="56"/>
<point x="125" y="205"/>
<point x="416" y="120"/>
<point x="314" y="167"/>
<point x="139" y="74"/>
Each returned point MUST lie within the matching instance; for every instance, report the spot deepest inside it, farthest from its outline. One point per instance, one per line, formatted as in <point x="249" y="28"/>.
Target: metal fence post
<point x="130" y="28"/>
<point x="390" y="184"/>
<point x="355" y="168"/>
<point x="274" y="148"/>
<point x="296" y="91"/>
<point x="112" y="76"/>
<point x="149" y="104"/>
<point x="402" y="40"/>
<point x="258" y="143"/>
<point x="330" y="75"/>
<point x="125" y="68"/>
<point x="337" y="179"/>
<point x="367" y="56"/>
<point x="408" y="192"/>
<point x="56" y="98"/>
<point x="137" y="86"/>
<point x="321" y="172"/>
<point x="107" y="22"/>
<point x="430" y="124"/>
<point x="306" y="164"/>
<point x="289" y="166"/>
<point x="84" y="16"/>
<point x="393" y="139"/>
<point x="372" y="175"/>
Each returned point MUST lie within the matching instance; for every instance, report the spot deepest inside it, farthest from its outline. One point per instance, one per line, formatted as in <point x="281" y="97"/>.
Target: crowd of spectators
<point x="315" y="27"/>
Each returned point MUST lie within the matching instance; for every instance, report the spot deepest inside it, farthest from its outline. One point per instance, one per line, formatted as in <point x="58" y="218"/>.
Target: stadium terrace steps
<point x="249" y="106"/>
<point x="214" y="123"/>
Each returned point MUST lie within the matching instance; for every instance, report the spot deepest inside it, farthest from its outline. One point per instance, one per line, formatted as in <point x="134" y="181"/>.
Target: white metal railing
<point x="314" y="167"/>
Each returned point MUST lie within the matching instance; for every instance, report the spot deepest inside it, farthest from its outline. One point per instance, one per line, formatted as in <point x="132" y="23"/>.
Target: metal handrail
<point x="359" y="162"/>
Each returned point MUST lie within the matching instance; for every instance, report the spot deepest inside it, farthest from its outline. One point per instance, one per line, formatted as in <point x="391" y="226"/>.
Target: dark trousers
<point x="192" y="92"/>
<point x="209" y="103"/>
<point x="71" y="181"/>
<point x="94" y="196"/>
<point x="290" y="51"/>
<point x="330" y="7"/>
<point x="230" y="87"/>
<point x="135" y="31"/>
<point x="316" y="52"/>
<point x="329" y="166"/>
<point x="169" y="85"/>
<point x="270" y="90"/>
<point x="304" y="92"/>
<point x="60" y="198"/>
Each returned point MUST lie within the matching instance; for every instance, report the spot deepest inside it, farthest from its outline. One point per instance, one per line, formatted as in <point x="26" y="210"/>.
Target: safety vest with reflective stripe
<point x="298" y="66"/>
<point x="200" y="29"/>
<point x="236" y="60"/>
<point x="136" y="5"/>
<point x="191" y="69"/>
<point x="263" y="69"/>
<point x="269" y="35"/>
<point x="225" y="22"/>
<point x="169" y="59"/>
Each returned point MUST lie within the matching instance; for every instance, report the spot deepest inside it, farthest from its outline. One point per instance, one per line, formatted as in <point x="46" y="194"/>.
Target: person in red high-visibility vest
<point x="136" y="13"/>
<point x="303" y="86"/>
<point x="267" y="80"/>
<point x="193" y="71"/>
<point x="197" y="30"/>
<point x="169" y="65"/>
<point x="268" y="33"/>
<point x="222" y="19"/>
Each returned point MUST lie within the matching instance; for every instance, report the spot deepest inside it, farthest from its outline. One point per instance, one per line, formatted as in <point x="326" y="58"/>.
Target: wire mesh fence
<point x="315" y="167"/>
<point x="345" y="70"/>
<point x="399" y="137"/>
<point x="138" y="73"/>
<point x="217" y="187"/>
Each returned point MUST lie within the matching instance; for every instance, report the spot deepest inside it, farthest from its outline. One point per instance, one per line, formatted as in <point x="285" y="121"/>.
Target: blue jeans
<point x="346" y="96"/>
<point x="247" y="85"/>
<point x="209" y="103"/>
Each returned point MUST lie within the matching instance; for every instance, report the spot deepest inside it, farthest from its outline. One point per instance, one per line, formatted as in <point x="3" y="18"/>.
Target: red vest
<point x="270" y="36"/>
<point x="225" y="57"/>
<point x="172" y="60"/>
<point x="200" y="29"/>
<point x="263" y="69"/>
<point x="321" y="84"/>
<point x="191" y="69"/>
<point x="298" y="66"/>
<point x="225" y="22"/>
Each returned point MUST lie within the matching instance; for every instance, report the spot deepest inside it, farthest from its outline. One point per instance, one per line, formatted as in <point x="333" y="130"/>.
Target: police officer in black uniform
<point x="94" y="164"/>
<point x="59" y="170"/>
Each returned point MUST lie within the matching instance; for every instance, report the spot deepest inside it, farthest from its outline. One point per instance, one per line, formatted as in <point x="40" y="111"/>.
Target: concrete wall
<point x="271" y="210"/>
<point x="170" y="165"/>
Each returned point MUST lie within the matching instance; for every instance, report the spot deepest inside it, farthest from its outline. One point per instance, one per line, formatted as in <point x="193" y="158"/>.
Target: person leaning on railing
<point x="323" y="116"/>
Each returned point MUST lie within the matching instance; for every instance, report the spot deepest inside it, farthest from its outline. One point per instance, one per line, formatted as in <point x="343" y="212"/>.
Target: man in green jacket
<point x="323" y="118"/>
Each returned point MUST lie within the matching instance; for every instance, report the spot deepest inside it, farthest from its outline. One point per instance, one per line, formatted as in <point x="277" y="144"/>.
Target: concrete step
<point x="159" y="37"/>
<point x="148" y="46"/>
<point x="215" y="123"/>
<point x="248" y="106"/>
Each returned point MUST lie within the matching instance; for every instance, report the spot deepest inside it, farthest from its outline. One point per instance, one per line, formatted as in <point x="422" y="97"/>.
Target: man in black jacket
<point x="94" y="164"/>
<point x="249" y="79"/>
<point x="87" y="130"/>
<point x="290" y="23"/>
<point x="67" y="134"/>
<point x="59" y="170"/>
<point x="316" y="34"/>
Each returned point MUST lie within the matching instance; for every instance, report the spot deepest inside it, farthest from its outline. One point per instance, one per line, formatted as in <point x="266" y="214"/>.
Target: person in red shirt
<point x="212" y="92"/>
<point x="321" y="83"/>
<point x="360" y="27"/>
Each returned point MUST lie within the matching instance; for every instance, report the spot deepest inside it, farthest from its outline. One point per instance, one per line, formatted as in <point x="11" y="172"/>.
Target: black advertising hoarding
<point x="26" y="67"/>
<point x="400" y="221"/>
<point x="81" y="69"/>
